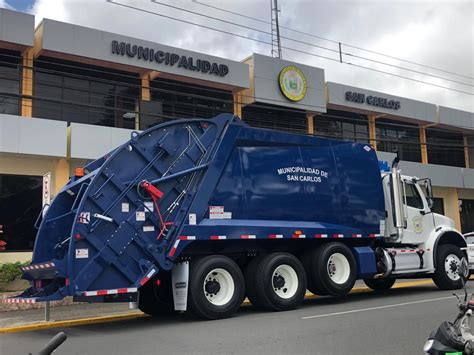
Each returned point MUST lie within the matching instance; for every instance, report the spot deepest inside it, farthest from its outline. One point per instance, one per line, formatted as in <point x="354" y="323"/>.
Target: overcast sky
<point x="435" y="33"/>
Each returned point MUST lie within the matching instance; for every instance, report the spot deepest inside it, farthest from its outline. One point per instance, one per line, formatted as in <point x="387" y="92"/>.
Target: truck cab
<point x="414" y="235"/>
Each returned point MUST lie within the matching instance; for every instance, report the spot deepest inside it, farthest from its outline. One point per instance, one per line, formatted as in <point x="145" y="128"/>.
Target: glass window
<point x="344" y="125"/>
<point x="75" y="92"/>
<point x="445" y="148"/>
<point x="10" y="81"/>
<point x="466" y="207"/>
<point x="438" y="205"/>
<point x="412" y="196"/>
<point x="272" y="117"/>
<point x="20" y="205"/>
<point x="393" y="136"/>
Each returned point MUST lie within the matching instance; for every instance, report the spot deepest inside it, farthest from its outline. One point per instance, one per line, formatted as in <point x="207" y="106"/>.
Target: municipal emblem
<point x="292" y="83"/>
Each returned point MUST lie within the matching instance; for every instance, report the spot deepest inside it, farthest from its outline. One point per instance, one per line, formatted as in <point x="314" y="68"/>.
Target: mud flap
<point x="179" y="279"/>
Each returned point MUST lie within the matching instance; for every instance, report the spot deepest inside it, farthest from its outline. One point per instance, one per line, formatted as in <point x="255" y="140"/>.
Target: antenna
<point x="276" y="43"/>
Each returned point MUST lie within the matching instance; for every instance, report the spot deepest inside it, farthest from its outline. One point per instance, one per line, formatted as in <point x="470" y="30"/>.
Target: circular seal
<point x="292" y="83"/>
<point x="417" y="224"/>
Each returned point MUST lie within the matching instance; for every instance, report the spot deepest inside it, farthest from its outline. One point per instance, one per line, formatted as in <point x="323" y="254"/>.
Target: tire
<point x="380" y="284"/>
<point x="334" y="269"/>
<point x="280" y="282"/>
<point x="448" y="257"/>
<point x="251" y="279"/>
<point x="154" y="300"/>
<point x="216" y="287"/>
<point x="308" y="259"/>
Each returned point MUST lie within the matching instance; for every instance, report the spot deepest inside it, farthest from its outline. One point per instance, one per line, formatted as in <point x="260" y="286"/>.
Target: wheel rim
<point x="338" y="268"/>
<point x="451" y="266"/>
<point x="218" y="287"/>
<point x="285" y="281"/>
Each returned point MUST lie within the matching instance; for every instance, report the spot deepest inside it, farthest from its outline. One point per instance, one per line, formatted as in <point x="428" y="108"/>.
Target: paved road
<point x="397" y="322"/>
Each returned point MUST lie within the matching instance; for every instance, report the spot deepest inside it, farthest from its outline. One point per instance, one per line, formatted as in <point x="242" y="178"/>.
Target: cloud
<point x="436" y="33"/>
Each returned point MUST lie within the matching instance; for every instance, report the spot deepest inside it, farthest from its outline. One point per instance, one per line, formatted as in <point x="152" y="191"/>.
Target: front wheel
<point x="448" y="261"/>
<point x="216" y="287"/>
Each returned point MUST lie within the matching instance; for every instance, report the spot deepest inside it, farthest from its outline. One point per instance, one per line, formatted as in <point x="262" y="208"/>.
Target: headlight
<point x="428" y="345"/>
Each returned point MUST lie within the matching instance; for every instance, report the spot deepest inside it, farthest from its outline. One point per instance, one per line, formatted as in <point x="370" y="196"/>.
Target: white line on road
<point x="375" y="308"/>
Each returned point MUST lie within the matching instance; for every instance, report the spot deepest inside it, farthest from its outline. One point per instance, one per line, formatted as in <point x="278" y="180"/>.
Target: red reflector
<point x="67" y="281"/>
<point x="158" y="282"/>
<point x="101" y="292"/>
<point x="38" y="284"/>
<point x="78" y="236"/>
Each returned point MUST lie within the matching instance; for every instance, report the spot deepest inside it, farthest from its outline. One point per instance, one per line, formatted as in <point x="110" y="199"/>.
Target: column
<point x="238" y="104"/>
<point x="27" y="83"/>
<point x="466" y="151"/>
<point x="310" y="118"/>
<point x="145" y="92"/>
<point x="61" y="174"/>
<point x="424" y="148"/>
<point x="372" y="131"/>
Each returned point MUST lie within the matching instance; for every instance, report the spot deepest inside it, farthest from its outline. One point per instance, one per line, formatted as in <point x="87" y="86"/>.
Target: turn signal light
<point x="79" y="171"/>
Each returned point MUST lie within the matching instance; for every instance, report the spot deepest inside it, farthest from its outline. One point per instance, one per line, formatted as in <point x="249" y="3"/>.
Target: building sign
<point x="372" y="100"/>
<point x="292" y="83"/>
<point x="169" y="58"/>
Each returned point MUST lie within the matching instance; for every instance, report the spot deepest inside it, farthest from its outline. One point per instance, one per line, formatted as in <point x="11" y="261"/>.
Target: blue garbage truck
<point x="198" y="214"/>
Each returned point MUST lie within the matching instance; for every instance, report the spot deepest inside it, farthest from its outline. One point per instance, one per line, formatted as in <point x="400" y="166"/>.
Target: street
<point x="395" y="322"/>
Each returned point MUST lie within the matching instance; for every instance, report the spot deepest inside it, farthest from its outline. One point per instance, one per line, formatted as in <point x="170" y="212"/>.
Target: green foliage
<point x="9" y="271"/>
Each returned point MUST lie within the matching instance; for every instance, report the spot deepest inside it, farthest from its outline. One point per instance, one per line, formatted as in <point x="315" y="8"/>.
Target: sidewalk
<point x="73" y="311"/>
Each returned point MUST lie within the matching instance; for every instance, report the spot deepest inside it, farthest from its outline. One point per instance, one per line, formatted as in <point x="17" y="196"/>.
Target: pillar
<point x="466" y="151"/>
<point x="145" y="92"/>
<point x="310" y="118"/>
<point x="61" y="174"/>
<point x="372" y="132"/>
<point x="238" y="104"/>
<point x="27" y="84"/>
<point x="424" y="148"/>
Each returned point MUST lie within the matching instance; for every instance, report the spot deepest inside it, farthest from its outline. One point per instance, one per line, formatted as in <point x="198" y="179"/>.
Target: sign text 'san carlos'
<point x="372" y="100"/>
<point x="168" y="58"/>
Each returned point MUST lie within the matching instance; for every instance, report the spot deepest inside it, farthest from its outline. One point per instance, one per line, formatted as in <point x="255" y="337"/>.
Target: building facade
<point x="69" y="94"/>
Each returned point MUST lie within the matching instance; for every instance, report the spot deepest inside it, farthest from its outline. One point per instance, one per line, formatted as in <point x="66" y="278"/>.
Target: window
<point x="466" y="208"/>
<point x="412" y="196"/>
<point x="393" y="136"/>
<point x="445" y="148"/>
<point x="174" y="99"/>
<point x="76" y="92"/>
<point x="272" y="117"/>
<point x="10" y="78"/>
<point x="438" y="205"/>
<point x="20" y="205"/>
<point x="342" y="125"/>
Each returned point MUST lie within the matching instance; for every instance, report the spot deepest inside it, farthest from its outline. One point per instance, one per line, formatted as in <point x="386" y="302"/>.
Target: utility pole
<point x="276" y="43"/>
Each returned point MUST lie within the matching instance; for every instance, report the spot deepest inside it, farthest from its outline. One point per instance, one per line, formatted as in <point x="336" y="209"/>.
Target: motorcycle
<point x="455" y="338"/>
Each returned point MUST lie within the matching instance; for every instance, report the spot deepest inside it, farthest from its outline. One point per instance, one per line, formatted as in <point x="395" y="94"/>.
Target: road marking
<point x="375" y="308"/>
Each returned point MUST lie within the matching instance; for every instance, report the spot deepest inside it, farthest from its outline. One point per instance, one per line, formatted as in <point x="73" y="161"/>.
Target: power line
<point x="274" y="29"/>
<point x="332" y="41"/>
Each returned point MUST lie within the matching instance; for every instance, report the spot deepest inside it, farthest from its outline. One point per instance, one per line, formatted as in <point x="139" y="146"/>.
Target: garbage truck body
<point x="197" y="214"/>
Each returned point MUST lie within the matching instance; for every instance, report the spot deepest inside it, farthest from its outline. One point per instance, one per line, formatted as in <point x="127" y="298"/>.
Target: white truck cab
<point x="417" y="241"/>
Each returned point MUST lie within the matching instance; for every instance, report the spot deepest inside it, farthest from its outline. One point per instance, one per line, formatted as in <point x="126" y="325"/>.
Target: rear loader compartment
<point x="189" y="183"/>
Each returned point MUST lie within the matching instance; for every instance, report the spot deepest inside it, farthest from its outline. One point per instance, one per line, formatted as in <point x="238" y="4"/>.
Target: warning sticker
<point x="192" y="219"/>
<point x="140" y="216"/>
<point x="148" y="228"/>
<point x="216" y="212"/>
<point x="366" y="148"/>
<point x="227" y="215"/>
<point x="84" y="217"/>
<point x="150" y="206"/>
<point x="82" y="253"/>
<point x="125" y="207"/>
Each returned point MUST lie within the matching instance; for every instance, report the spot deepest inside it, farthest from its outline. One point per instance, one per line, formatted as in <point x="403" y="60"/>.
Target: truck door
<point x="419" y="220"/>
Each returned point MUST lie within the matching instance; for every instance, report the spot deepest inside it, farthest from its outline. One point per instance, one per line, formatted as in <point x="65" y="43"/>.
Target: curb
<point x="134" y="315"/>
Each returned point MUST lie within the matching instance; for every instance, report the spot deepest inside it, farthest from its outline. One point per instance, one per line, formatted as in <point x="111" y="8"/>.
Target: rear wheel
<point x="251" y="279"/>
<point x="334" y="269"/>
<point x="280" y="282"/>
<point x="380" y="284"/>
<point x="308" y="260"/>
<point x="216" y="287"/>
<point x="448" y="260"/>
